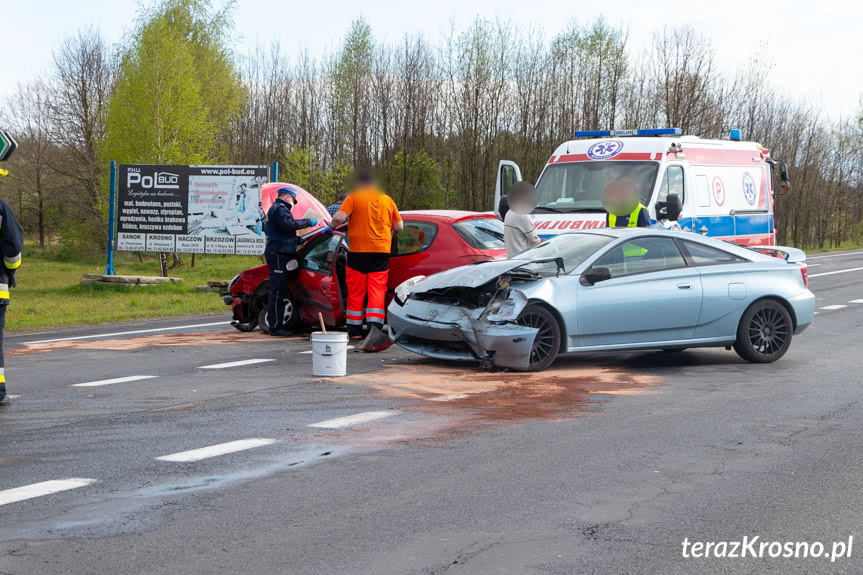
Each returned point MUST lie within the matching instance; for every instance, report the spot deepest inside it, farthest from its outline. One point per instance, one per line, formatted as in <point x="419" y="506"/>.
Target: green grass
<point x="849" y="246"/>
<point x="50" y="294"/>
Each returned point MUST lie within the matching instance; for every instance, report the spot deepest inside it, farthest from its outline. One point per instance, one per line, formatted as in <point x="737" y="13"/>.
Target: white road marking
<point x="350" y="420"/>
<point x="312" y="351"/>
<point x="447" y="397"/>
<point x="835" y="272"/>
<point x="235" y="363"/>
<point x="43" y="488"/>
<point x="137" y="331"/>
<point x="856" y="301"/>
<point x="836" y="306"/>
<point x="114" y="380"/>
<point x="215" y="450"/>
<point x="10" y="396"/>
<point x="834" y="256"/>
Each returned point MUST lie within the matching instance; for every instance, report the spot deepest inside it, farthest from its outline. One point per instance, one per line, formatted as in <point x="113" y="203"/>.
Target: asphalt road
<point x="605" y="464"/>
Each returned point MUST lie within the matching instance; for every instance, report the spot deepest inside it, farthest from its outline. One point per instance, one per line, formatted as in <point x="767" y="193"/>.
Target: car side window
<point x="673" y="183"/>
<point x="321" y="257"/>
<point x="702" y="255"/>
<point x="641" y="256"/>
<point x="414" y="238"/>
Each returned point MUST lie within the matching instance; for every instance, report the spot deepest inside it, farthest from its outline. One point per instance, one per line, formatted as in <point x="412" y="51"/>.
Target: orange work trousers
<point x="360" y="285"/>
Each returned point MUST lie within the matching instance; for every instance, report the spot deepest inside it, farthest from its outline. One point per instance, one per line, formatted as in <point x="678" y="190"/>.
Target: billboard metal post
<point x="109" y="269"/>
<point x="275" y="172"/>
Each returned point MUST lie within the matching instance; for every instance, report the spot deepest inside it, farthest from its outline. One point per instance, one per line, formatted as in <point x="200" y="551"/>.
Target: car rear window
<point x="481" y="233"/>
<point x="416" y="236"/>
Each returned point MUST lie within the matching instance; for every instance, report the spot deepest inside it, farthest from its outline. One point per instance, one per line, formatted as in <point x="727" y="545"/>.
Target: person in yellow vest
<point x="622" y="204"/>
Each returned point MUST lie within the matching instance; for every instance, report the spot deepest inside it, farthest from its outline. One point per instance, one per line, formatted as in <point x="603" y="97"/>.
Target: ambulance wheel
<point x="292" y="315"/>
<point x="764" y="332"/>
<point x="546" y="344"/>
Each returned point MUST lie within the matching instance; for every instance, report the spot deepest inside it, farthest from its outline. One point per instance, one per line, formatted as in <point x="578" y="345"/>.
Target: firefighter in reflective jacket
<point x="372" y="218"/>
<point x="11" y="242"/>
<point x="281" y="256"/>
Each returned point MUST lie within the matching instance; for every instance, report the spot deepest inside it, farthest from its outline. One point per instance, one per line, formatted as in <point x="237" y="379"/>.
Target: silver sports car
<point x="608" y="289"/>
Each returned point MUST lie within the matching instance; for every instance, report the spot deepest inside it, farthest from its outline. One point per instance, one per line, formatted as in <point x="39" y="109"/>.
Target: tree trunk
<point x="163" y="264"/>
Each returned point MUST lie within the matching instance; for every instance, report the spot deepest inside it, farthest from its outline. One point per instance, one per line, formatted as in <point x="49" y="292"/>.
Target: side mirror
<point x="784" y="177"/>
<point x="670" y="209"/>
<point x="594" y="275"/>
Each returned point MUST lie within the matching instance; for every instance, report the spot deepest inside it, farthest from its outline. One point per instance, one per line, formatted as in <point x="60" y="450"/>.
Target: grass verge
<point x="50" y="294"/>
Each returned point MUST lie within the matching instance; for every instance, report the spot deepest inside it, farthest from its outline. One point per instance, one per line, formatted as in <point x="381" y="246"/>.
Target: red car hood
<point x="307" y="205"/>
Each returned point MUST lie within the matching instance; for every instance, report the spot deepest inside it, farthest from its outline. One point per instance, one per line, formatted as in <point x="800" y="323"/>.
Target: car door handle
<point x="684" y="286"/>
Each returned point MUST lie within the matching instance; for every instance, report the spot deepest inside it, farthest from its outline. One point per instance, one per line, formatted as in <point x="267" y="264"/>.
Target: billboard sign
<point x="191" y="209"/>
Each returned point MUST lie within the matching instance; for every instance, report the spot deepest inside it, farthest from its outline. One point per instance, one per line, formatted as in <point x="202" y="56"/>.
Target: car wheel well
<point x="560" y="323"/>
<point x="782" y="301"/>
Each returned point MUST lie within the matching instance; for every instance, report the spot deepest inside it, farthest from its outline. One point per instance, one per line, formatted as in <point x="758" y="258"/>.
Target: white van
<point x="721" y="188"/>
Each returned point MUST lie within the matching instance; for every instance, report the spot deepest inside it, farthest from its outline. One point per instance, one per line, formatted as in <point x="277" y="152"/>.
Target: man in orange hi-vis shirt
<point x="372" y="218"/>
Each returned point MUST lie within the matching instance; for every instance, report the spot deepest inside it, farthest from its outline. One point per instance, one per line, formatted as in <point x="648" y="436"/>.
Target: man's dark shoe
<point x="281" y="333"/>
<point x="5" y="401"/>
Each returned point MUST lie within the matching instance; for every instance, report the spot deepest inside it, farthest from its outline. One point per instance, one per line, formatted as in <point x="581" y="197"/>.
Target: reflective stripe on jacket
<point x="11" y="243"/>
<point x="633" y="217"/>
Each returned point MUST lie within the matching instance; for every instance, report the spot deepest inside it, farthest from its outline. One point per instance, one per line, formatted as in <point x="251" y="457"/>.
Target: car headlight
<point x="233" y="281"/>
<point x="403" y="292"/>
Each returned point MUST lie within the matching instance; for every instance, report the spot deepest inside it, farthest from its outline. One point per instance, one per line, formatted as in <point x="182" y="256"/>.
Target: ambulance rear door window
<point x="703" y="191"/>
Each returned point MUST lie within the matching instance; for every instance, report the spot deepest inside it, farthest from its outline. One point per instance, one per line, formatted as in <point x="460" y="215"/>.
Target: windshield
<point x="578" y="186"/>
<point x="482" y="233"/>
<point x="572" y="248"/>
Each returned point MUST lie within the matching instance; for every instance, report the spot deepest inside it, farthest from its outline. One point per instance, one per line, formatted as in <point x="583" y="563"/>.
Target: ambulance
<point x="718" y="188"/>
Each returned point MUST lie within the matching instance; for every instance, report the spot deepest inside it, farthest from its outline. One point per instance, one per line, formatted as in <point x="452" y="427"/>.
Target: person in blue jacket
<point x="11" y="242"/>
<point x="281" y="229"/>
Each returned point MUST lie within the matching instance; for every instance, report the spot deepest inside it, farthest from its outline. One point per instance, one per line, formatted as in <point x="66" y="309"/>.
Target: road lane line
<point x="447" y="397"/>
<point x="834" y="272"/>
<point x="836" y="306"/>
<point x="834" y="256"/>
<point x="216" y="450"/>
<point x="350" y="420"/>
<point x="856" y="301"/>
<point x="114" y="380"/>
<point x="43" y="488"/>
<point x="10" y="396"/>
<point x="137" y="331"/>
<point x="235" y="363"/>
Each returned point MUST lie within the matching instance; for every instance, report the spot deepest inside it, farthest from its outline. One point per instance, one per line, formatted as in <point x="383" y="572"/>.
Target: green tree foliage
<point x="416" y="181"/>
<point x="157" y="113"/>
<point x="303" y="167"/>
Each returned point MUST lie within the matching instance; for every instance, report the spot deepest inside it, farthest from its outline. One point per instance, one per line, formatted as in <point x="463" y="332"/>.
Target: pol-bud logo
<point x="604" y="150"/>
<point x="164" y="180"/>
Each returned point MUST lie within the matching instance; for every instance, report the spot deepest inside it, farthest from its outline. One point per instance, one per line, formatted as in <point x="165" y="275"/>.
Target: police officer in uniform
<point x="11" y="242"/>
<point x="281" y="250"/>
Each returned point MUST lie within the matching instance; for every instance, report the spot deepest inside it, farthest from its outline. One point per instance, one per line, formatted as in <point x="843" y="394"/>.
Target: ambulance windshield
<point x="578" y="186"/>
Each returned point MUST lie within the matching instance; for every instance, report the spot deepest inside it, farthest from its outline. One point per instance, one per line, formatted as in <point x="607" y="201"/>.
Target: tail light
<point x="465" y="260"/>
<point x="804" y="271"/>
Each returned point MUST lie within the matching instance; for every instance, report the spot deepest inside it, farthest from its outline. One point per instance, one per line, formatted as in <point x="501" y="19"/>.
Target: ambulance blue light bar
<point x="620" y="133"/>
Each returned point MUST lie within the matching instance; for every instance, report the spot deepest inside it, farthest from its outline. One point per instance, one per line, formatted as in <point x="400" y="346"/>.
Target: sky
<point x="816" y="46"/>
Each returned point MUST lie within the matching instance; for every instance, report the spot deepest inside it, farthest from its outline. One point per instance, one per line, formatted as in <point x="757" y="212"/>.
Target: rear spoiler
<point x="790" y="255"/>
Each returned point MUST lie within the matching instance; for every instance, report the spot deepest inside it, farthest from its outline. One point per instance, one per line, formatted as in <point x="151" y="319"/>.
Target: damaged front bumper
<point x="454" y="332"/>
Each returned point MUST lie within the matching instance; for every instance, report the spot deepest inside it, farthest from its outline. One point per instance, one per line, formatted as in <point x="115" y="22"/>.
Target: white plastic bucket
<point x="329" y="353"/>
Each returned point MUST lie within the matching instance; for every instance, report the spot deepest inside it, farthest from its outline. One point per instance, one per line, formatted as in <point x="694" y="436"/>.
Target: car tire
<point x="764" y="333"/>
<point x="292" y="315"/>
<point x="546" y="345"/>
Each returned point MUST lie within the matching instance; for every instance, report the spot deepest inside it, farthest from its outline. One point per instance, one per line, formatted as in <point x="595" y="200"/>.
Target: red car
<point x="432" y="241"/>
